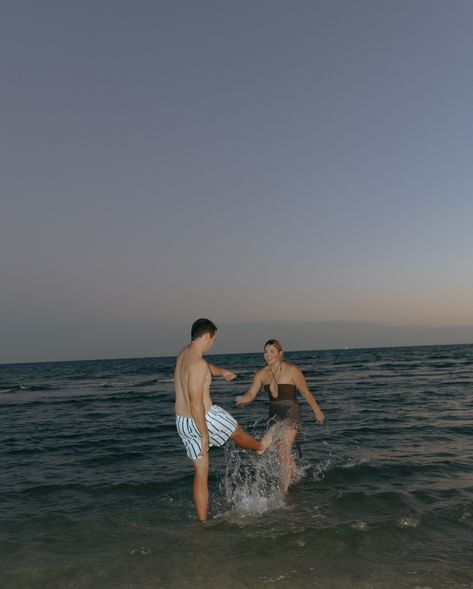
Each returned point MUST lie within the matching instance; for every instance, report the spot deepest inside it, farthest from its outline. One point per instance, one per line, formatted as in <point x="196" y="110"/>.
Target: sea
<point x="96" y="489"/>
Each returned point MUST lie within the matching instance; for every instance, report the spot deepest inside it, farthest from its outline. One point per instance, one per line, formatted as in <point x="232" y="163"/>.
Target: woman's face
<point x="271" y="354"/>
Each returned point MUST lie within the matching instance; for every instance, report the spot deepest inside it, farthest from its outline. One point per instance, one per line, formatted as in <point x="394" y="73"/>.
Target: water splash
<point x="252" y="484"/>
<point x="409" y="521"/>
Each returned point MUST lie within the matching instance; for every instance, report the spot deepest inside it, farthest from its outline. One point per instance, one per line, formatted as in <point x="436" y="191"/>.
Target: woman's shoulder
<point x="260" y="372"/>
<point x="292" y="369"/>
<point x="290" y="366"/>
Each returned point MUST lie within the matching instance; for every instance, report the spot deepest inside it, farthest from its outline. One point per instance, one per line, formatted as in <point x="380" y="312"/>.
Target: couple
<point x="201" y="424"/>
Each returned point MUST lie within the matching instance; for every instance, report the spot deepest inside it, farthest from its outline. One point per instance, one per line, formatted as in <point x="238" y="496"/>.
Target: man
<point x="199" y="423"/>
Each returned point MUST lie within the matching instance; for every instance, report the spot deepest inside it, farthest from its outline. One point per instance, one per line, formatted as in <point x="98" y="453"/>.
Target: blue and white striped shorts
<point x="220" y="424"/>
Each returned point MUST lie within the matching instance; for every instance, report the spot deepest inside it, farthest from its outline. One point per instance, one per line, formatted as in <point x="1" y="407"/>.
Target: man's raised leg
<point x="248" y="442"/>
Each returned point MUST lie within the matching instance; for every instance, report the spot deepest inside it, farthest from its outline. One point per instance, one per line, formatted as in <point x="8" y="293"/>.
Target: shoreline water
<point x="96" y="490"/>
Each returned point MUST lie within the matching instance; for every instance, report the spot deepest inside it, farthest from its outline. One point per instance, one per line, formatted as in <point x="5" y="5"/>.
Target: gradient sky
<point x="254" y="161"/>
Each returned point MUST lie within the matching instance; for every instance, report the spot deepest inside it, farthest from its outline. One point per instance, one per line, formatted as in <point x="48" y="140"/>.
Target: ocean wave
<point x="147" y="383"/>
<point x="11" y="389"/>
<point x="27" y="388"/>
<point x="111" y="458"/>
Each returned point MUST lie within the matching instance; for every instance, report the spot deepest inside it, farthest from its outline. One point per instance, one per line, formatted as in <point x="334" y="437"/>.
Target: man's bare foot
<point x="265" y="442"/>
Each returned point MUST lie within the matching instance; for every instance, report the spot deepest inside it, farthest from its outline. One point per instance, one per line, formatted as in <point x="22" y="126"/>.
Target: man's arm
<point x="216" y="371"/>
<point x="301" y="384"/>
<point x="195" y="388"/>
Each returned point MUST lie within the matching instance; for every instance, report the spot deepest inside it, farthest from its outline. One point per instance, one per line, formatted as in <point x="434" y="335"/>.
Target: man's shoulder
<point x="192" y="360"/>
<point x="199" y="362"/>
<point x="187" y="353"/>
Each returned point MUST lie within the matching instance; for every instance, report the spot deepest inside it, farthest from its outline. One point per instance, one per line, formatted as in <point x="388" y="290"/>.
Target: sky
<point x="291" y="169"/>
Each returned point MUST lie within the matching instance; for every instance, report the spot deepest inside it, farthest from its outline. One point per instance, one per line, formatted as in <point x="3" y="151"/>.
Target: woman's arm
<point x="301" y="384"/>
<point x="251" y="393"/>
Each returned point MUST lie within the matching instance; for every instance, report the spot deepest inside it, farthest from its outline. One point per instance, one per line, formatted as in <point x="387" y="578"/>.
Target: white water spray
<point x="252" y="484"/>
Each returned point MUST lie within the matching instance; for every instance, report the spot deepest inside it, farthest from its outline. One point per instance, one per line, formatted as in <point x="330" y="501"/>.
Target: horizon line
<point x="336" y="349"/>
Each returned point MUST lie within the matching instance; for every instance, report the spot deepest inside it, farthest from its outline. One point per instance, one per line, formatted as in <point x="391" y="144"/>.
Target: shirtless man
<point x="199" y="423"/>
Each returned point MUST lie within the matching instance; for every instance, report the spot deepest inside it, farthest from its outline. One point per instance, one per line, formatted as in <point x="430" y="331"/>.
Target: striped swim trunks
<point x="220" y="424"/>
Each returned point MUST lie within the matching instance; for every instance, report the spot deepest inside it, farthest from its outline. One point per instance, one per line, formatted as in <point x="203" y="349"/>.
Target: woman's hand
<point x="319" y="415"/>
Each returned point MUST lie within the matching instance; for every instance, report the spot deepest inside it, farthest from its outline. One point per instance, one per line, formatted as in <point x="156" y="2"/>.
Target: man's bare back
<point x="190" y="365"/>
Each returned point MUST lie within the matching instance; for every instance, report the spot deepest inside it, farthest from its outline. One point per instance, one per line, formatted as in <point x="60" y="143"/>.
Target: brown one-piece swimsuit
<point x="285" y="405"/>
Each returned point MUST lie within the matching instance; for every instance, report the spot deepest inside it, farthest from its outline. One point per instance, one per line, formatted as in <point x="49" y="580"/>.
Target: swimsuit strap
<point x="273" y="377"/>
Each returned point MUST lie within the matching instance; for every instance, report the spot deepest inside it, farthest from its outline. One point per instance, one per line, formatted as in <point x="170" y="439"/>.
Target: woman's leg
<point x="288" y="464"/>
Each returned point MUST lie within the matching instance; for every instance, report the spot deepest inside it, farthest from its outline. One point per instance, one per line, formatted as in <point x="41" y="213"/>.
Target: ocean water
<point x="95" y="488"/>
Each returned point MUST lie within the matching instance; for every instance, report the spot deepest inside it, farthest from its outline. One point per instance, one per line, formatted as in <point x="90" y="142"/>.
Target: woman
<point x="280" y="380"/>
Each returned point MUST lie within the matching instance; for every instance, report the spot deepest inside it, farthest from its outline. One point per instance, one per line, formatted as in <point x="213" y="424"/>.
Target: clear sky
<point x="283" y="167"/>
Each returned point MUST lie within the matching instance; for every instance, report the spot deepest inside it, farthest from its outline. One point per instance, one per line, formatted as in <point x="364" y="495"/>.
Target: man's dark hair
<point x="201" y="327"/>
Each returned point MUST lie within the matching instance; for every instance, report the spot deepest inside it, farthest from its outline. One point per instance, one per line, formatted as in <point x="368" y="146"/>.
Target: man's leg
<point x="201" y="487"/>
<point x="244" y="440"/>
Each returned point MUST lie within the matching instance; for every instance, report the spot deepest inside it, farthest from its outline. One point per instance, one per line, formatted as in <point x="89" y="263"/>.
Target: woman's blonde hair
<point x="276" y="343"/>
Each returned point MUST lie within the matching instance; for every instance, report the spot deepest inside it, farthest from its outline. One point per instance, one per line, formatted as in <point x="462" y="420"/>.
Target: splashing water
<point x="252" y="484"/>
